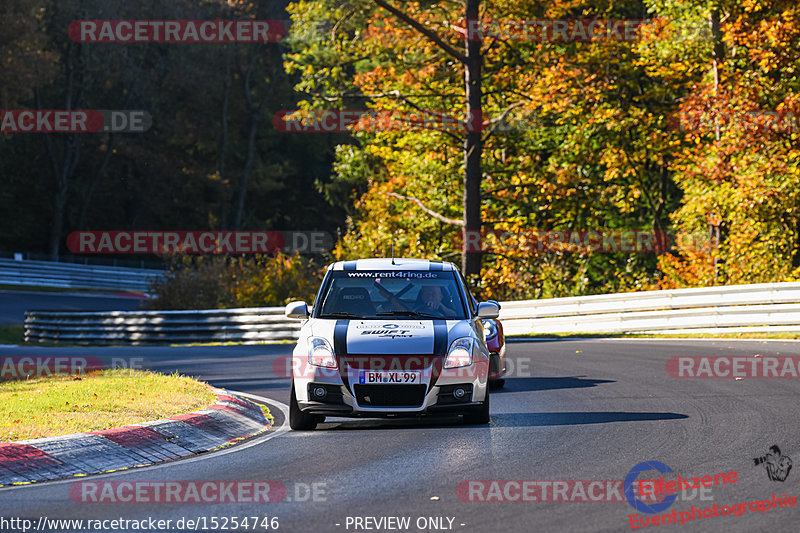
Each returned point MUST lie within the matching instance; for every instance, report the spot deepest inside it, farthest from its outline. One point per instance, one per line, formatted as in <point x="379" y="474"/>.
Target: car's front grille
<point x="390" y="395"/>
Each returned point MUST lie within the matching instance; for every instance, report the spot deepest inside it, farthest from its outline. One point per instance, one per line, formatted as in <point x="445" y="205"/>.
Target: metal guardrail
<point x="761" y="307"/>
<point x="247" y="325"/>
<point x="66" y="275"/>
<point x="717" y="308"/>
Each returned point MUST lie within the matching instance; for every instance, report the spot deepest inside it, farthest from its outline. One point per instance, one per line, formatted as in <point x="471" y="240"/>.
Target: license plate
<point x="384" y="377"/>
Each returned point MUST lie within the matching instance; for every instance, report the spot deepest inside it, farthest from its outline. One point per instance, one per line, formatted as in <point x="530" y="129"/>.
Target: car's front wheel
<point x="480" y="415"/>
<point x="298" y="420"/>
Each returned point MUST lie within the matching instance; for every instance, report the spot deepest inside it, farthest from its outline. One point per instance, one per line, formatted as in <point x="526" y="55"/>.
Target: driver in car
<point x="431" y="300"/>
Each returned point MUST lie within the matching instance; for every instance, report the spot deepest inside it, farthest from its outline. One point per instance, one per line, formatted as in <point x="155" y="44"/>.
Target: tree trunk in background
<point x="63" y="163"/>
<point x="255" y="116"/>
<point x="473" y="149"/>
<point x="222" y="146"/>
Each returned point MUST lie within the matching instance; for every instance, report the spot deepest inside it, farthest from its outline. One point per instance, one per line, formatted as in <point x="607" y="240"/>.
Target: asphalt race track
<point x="590" y="410"/>
<point x="13" y="304"/>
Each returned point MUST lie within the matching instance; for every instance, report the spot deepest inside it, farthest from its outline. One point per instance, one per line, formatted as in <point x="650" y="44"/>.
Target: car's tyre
<point x="480" y="415"/>
<point x="497" y="383"/>
<point x="298" y="420"/>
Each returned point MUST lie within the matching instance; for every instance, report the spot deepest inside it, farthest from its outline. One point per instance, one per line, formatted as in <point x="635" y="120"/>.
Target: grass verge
<point x="61" y="405"/>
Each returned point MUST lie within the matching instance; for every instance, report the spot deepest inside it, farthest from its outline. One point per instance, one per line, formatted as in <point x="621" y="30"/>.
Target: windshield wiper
<point x="409" y="313"/>
<point x="339" y="315"/>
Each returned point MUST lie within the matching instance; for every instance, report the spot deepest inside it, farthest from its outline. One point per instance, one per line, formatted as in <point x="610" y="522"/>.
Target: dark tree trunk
<point x="473" y="149"/>
<point x="63" y="163"/>
<point x="248" y="167"/>
<point x="796" y="254"/>
<point x="255" y="110"/>
<point x="222" y="146"/>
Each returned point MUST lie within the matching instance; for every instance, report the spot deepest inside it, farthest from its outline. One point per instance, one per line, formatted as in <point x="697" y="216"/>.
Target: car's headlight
<point x="320" y="353"/>
<point x="460" y="353"/>
<point x="489" y="328"/>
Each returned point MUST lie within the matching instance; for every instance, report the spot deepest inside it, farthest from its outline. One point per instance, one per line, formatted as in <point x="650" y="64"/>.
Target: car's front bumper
<point x="434" y="395"/>
<point x="347" y="411"/>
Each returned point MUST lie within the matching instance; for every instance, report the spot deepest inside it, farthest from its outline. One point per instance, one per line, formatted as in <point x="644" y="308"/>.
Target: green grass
<point x="12" y="334"/>
<point x="61" y="405"/>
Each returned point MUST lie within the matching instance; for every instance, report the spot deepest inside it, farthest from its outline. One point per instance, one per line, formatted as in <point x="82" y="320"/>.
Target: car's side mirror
<point x="490" y="309"/>
<point x="297" y="310"/>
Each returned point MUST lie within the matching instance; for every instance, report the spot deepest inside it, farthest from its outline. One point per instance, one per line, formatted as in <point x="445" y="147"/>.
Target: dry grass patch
<point x="61" y="405"/>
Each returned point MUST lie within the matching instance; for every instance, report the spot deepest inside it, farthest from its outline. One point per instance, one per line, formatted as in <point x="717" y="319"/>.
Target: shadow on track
<point x="498" y="420"/>
<point x="534" y="384"/>
<point x="252" y="384"/>
<point x="341" y="424"/>
<point x="576" y="418"/>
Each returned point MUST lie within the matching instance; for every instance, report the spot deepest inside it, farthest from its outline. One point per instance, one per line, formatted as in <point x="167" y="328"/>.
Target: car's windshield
<point x="381" y="293"/>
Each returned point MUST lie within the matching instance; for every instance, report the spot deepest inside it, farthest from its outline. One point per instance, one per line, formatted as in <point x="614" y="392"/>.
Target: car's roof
<point x="392" y="264"/>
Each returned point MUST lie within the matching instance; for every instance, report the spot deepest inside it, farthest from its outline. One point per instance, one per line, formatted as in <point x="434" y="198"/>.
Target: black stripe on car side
<point x="439" y="337"/>
<point x="349" y="265"/>
<point x="340" y="348"/>
<point x="340" y="337"/>
<point x="439" y="349"/>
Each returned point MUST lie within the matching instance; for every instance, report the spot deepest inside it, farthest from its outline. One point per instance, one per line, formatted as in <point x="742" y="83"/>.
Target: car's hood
<point x="388" y="336"/>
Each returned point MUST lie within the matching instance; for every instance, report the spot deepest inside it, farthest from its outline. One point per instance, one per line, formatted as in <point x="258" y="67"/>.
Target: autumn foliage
<point x="606" y="135"/>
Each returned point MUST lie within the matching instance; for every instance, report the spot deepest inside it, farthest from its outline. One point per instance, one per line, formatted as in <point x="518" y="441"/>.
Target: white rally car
<point x="390" y="337"/>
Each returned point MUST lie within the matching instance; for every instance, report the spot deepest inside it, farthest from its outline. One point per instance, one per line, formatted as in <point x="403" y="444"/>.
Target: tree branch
<point x="497" y="120"/>
<point x="432" y="35"/>
<point x="515" y="186"/>
<point x="434" y="214"/>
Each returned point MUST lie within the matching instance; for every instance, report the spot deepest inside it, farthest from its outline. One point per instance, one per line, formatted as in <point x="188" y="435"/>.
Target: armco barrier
<point x="67" y="275"/>
<point x="248" y="325"/>
<point x="761" y="307"/>
<point x="775" y="305"/>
